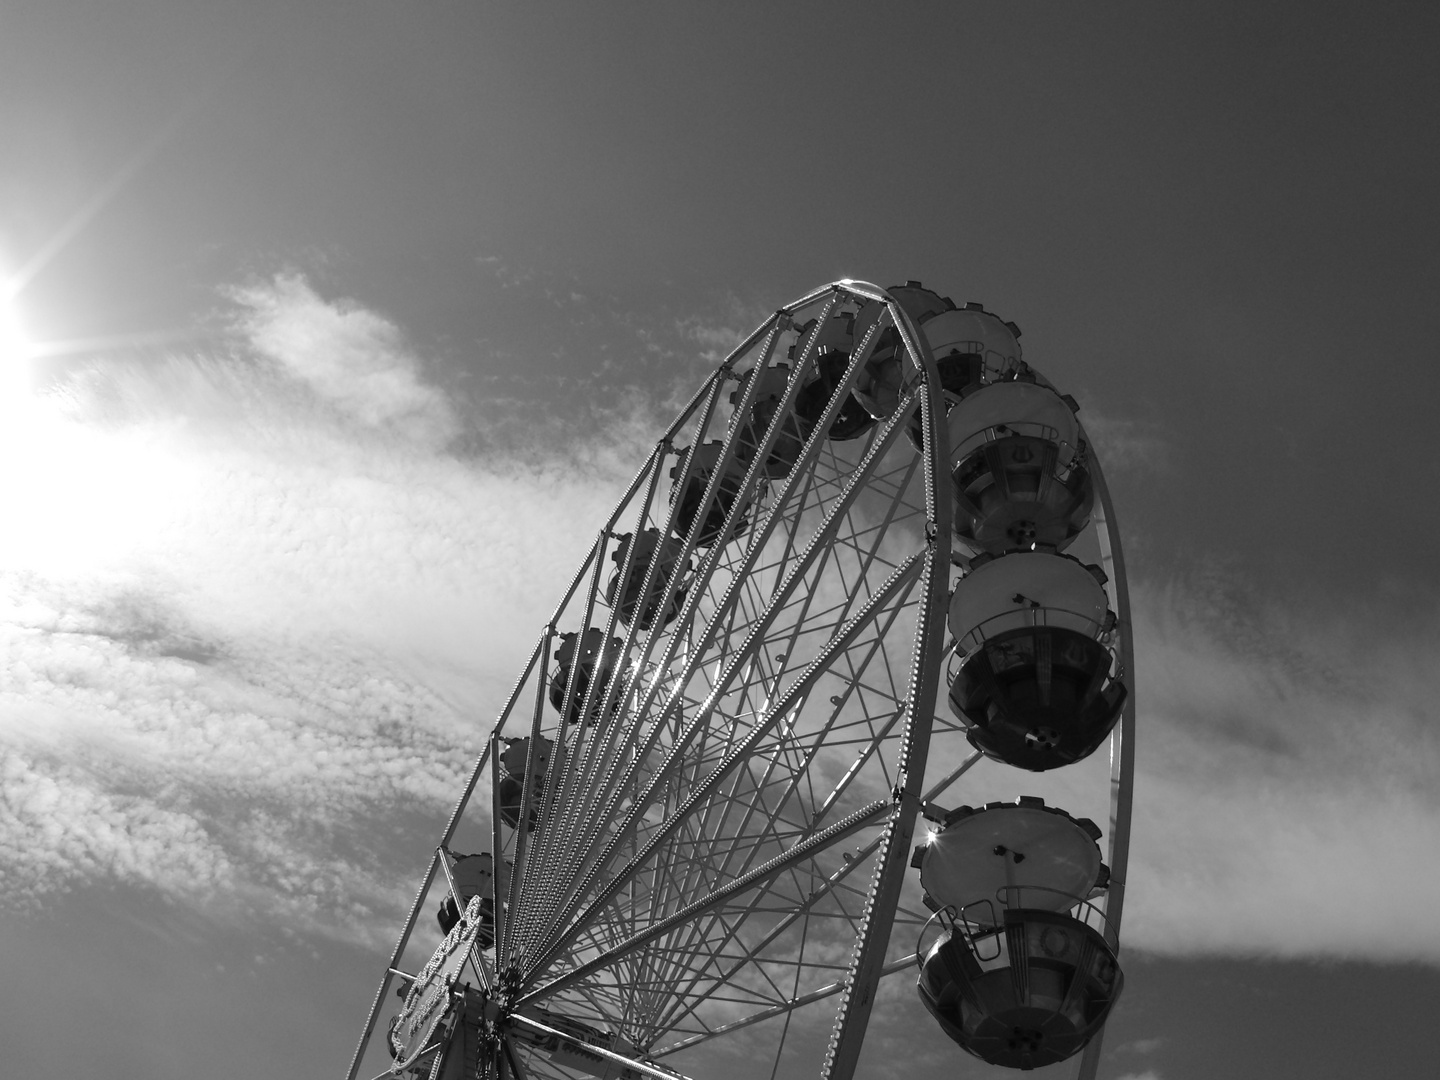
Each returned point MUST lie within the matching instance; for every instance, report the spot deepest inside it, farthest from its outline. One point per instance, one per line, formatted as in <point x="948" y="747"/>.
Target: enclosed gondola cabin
<point x="691" y="475"/>
<point x="1031" y="992"/>
<point x="1018" y="468"/>
<point x="1033" y="675"/>
<point x="766" y="402"/>
<point x="1022" y="975"/>
<point x="882" y="381"/>
<point x="511" y="791"/>
<point x="592" y="663"/>
<point x="627" y="583"/>
<point x="472" y="875"/>
<point x="972" y="349"/>
<point x="832" y="345"/>
<point x="512" y="799"/>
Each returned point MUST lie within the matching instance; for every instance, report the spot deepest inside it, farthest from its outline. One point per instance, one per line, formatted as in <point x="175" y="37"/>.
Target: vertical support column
<point x="868" y="963"/>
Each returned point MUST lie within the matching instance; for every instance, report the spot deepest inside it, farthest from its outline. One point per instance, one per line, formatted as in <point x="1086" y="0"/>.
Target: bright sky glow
<point x="271" y="558"/>
<point x="14" y="347"/>
<point x="232" y="574"/>
<point x="75" y="497"/>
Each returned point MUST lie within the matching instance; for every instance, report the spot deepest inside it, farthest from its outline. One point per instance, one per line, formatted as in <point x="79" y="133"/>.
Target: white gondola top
<point x="970" y="331"/>
<point x="1045" y="858"/>
<point x="1027" y="588"/>
<point x="1018" y="408"/>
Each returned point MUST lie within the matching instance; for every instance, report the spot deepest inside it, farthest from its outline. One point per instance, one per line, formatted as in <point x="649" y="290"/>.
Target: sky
<point x="349" y="322"/>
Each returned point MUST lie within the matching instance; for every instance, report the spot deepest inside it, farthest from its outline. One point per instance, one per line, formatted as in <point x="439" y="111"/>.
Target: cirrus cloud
<point x="259" y="607"/>
<point x="256" y="612"/>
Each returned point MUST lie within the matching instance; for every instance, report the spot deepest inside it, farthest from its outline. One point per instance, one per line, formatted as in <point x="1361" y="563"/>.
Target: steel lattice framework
<point x="717" y="850"/>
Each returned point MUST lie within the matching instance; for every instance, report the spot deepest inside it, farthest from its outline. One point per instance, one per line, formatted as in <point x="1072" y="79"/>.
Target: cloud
<point x="718" y="337"/>
<point x="1140" y="1046"/>
<point x="258" y="608"/>
<point x="256" y="614"/>
<point x="353" y="358"/>
<point x="1126" y="444"/>
<point x="1284" y="790"/>
<point x="57" y="826"/>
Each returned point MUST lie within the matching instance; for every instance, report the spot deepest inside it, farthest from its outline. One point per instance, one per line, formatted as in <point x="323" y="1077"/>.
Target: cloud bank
<point x="1285" y="797"/>
<point x="256" y="611"/>
<point x="259" y="607"/>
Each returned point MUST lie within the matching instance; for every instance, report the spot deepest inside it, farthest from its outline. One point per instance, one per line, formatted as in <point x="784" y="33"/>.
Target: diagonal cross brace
<point x="817" y="667"/>
<point x="521" y="1020"/>
<point x="802" y="850"/>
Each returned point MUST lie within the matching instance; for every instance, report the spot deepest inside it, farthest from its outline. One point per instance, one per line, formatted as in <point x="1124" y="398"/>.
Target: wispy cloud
<point x="257" y="613"/>
<point x="353" y="358"/>
<point x="716" y="334"/>
<point x="1139" y="1046"/>
<point x="259" y="607"/>
<point x="1127" y="444"/>
<point x="1285" y="785"/>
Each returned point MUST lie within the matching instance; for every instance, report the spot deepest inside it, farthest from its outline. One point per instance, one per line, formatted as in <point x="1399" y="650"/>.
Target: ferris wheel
<point x="870" y="574"/>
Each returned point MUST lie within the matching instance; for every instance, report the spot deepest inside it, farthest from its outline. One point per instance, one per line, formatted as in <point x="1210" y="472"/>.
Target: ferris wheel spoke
<point x="861" y="732"/>
<point x="685" y="1002"/>
<point x="797" y="895"/>
<point x="705" y="837"/>
<point x="791" y="536"/>
<point x="747" y="838"/>
<point x="818" y="547"/>
<point x="643" y="1067"/>
<point x="551" y="815"/>
<point x="743" y="578"/>
<point x="723" y="957"/>
<point x="814" y="451"/>
<point x="804" y="752"/>
<point x="684" y="621"/>
<point x="523" y="833"/>
<point x="762" y="987"/>
<point x="749" y="844"/>
<point x="573" y="778"/>
<point x="704" y="932"/>
<point x="725" y="725"/>
<point x="899" y="578"/>
<point x="566" y="821"/>
<point x="821" y="840"/>
<point x="750" y="599"/>
<point x="798" y="689"/>
<point x="809" y="567"/>
<point x="769" y="1013"/>
<point x="513" y="1059"/>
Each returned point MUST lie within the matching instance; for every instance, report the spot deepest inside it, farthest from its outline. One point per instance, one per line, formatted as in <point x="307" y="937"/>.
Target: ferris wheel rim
<point x="936" y="569"/>
<point x="895" y="819"/>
